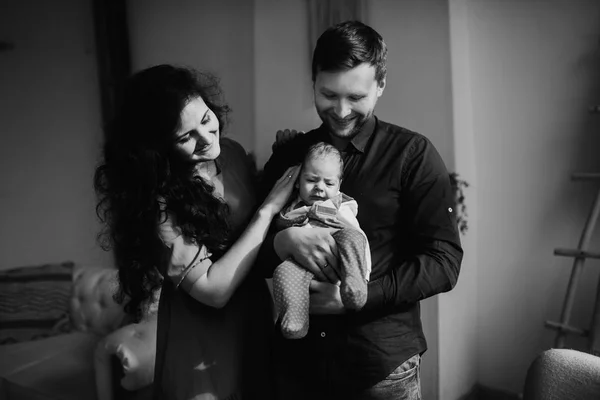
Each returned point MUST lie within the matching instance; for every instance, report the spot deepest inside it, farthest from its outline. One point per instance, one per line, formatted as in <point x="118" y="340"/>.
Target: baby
<point x="321" y="204"/>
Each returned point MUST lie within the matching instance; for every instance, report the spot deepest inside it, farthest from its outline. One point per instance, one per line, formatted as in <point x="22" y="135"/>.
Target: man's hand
<point x="325" y="298"/>
<point x="314" y="249"/>
<point x="284" y="136"/>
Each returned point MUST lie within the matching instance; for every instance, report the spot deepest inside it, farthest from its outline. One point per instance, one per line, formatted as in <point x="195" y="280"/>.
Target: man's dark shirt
<point x="405" y="207"/>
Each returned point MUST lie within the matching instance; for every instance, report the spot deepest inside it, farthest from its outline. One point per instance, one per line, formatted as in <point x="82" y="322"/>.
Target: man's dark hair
<point x="347" y="45"/>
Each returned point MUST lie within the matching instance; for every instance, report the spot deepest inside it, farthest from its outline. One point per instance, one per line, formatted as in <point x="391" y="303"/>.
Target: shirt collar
<point x="359" y="142"/>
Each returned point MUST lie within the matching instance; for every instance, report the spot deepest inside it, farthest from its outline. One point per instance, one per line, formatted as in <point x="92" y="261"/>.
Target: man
<point x="405" y="207"/>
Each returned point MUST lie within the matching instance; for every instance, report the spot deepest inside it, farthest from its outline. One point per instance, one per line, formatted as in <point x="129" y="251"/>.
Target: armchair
<point x="64" y="364"/>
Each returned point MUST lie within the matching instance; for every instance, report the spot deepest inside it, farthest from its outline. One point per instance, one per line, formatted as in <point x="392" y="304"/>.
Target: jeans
<point x="404" y="383"/>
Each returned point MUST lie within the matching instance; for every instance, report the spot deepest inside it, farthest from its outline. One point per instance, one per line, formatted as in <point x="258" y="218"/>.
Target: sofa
<point x="63" y="337"/>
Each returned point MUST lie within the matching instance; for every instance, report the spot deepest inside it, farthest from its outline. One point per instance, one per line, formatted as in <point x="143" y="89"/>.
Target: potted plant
<point x="458" y="186"/>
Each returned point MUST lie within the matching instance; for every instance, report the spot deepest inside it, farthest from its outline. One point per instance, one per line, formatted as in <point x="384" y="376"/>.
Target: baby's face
<point x="319" y="180"/>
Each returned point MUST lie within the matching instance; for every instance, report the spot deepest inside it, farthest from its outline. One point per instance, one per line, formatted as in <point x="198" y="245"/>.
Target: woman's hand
<point x="280" y="193"/>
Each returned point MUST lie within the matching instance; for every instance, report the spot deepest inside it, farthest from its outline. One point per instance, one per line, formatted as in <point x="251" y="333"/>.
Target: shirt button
<point x="450" y="209"/>
<point x="323" y="334"/>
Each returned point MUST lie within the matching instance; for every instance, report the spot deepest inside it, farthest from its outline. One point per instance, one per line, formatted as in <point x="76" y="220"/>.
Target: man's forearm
<point x="422" y="276"/>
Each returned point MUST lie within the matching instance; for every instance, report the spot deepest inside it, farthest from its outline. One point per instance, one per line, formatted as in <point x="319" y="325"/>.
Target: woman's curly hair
<point x="142" y="177"/>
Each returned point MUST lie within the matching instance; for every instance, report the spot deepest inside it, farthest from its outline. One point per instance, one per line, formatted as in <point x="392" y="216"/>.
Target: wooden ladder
<point x="580" y="254"/>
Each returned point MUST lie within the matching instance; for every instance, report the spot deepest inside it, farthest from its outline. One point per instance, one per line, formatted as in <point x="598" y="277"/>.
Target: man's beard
<point x="359" y="123"/>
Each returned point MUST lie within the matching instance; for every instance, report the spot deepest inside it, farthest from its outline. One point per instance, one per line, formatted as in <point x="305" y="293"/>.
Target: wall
<point x="213" y="35"/>
<point x="534" y="73"/>
<point x="50" y="124"/>
<point x="418" y="94"/>
<point x="459" y="364"/>
<point x="283" y="87"/>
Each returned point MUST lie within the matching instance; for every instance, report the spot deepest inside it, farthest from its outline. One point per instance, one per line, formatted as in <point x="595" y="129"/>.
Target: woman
<point x="176" y="198"/>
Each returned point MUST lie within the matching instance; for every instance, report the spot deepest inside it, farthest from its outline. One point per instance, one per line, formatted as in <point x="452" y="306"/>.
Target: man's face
<point x="345" y="100"/>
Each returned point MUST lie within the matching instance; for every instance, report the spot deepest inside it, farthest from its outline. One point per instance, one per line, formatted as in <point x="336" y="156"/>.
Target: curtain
<point x="324" y="13"/>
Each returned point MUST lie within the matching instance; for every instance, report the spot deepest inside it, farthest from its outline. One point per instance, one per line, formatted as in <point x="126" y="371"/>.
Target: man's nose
<point x="342" y="109"/>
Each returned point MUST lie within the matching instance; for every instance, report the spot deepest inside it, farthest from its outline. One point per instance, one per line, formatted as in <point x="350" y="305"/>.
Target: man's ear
<point x="381" y="87"/>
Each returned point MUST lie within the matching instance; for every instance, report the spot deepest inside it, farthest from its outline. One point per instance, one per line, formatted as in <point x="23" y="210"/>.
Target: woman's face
<point x="198" y="137"/>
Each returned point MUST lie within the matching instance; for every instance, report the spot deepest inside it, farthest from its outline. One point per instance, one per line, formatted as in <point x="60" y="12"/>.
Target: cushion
<point x="93" y="308"/>
<point x="34" y="302"/>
